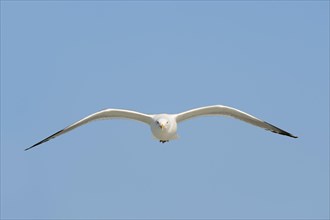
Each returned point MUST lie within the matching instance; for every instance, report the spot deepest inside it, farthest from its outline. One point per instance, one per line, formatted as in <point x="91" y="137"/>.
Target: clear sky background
<point x="61" y="61"/>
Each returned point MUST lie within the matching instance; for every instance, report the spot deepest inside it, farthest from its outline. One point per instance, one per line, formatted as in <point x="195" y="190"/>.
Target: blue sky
<point x="61" y="61"/>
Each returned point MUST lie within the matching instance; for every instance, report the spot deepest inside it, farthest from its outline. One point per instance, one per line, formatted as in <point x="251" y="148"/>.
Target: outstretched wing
<point x="104" y="114"/>
<point x="232" y="112"/>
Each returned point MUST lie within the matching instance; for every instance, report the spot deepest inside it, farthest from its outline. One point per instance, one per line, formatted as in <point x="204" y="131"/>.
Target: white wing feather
<point x="232" y="112"/>
<point x="104" y="114"/>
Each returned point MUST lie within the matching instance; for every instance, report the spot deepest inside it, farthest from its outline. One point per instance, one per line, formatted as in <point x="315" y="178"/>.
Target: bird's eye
<point x="167" y="122"/>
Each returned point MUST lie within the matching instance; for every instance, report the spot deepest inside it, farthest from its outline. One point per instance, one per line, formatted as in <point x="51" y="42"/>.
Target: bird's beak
<point x="162" y="126"/>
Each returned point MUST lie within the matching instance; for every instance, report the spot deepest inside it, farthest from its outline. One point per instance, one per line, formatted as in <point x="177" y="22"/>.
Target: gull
<point x="164" y="126"/>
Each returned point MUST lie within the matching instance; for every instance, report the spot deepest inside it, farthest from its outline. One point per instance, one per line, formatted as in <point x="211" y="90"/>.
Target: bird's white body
<point x="164" y="126"/>
<point x="168" y="127"/>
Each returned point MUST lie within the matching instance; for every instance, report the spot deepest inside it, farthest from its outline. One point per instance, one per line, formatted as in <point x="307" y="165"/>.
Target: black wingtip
<point x="280" y="131"/>
<point x="45" y="140"/>
<point x="29" y="148"/>
<point x="34" y="145"/>
<point x="290" y="135"/>
<point x="285" y="133"/>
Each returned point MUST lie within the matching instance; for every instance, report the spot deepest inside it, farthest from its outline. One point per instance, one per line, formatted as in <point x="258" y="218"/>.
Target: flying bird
<point x="164" y="126"/>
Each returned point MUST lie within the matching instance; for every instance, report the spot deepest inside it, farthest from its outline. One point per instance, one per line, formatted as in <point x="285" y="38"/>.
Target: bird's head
<point x="162" y="123"/>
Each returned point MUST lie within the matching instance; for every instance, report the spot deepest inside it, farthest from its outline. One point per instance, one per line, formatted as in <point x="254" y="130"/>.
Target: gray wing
<point x="104" y="114"/>
<point x="232" y="112"/>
